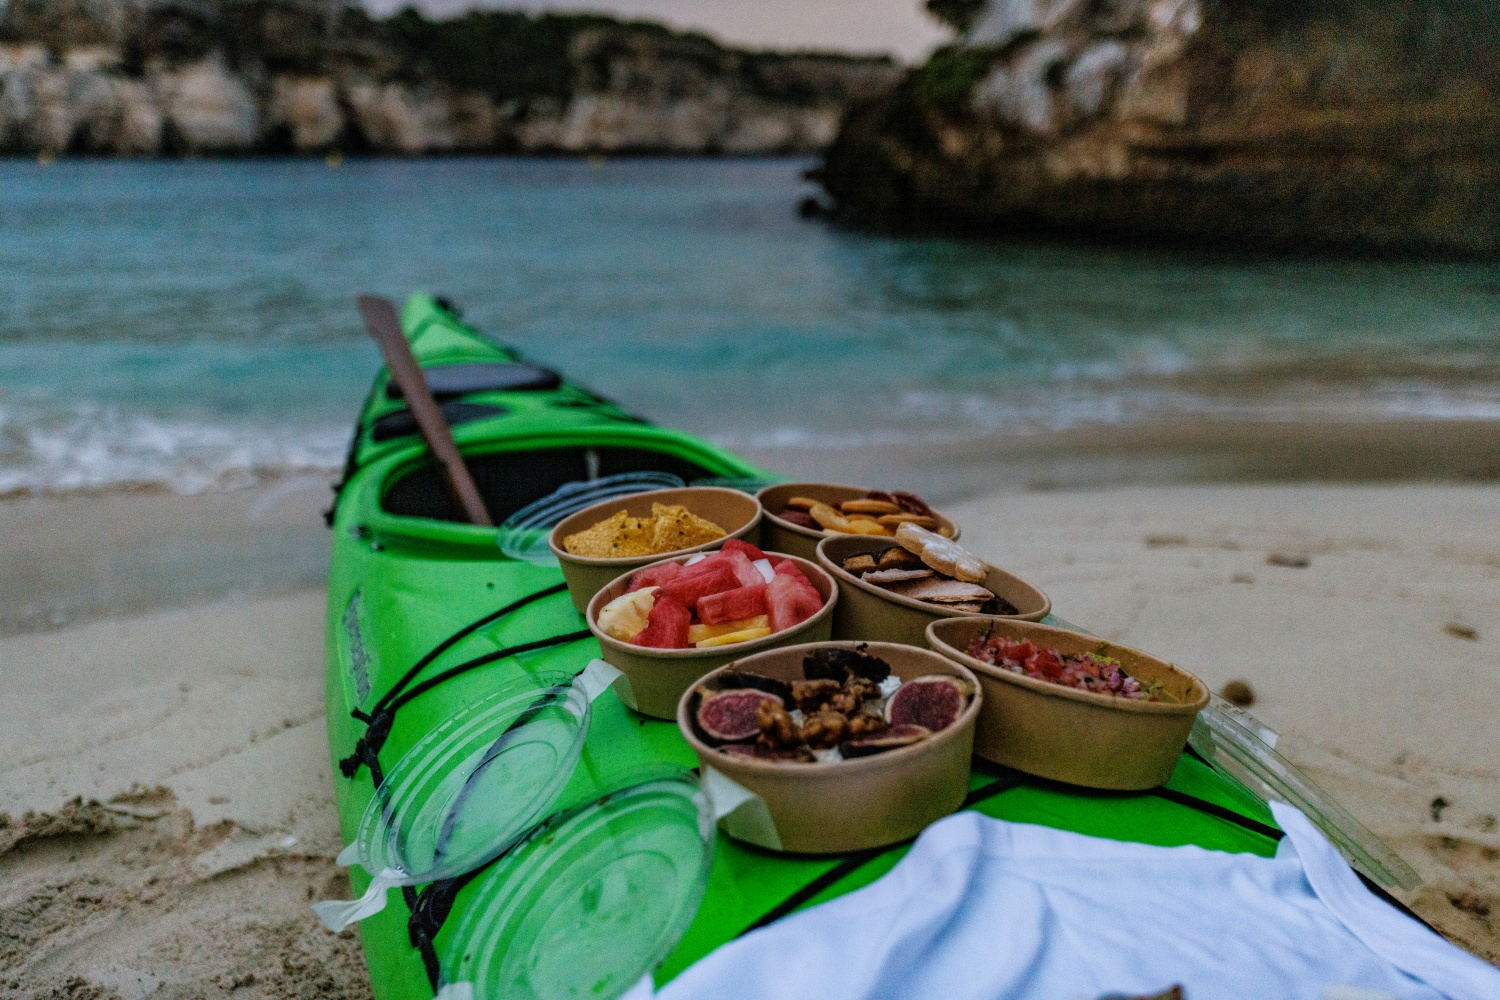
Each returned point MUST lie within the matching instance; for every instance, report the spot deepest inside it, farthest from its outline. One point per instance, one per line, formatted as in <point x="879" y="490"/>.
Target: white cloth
<point x="982" y="909"/>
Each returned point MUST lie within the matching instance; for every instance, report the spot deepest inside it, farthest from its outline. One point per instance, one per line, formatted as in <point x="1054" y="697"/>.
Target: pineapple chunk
<point x="732" y="637"/>
<point x="698" y="633"/>
<point x="624" y="618"/>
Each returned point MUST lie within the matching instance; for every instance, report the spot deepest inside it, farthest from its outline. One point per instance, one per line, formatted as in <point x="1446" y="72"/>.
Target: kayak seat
<point x="509" y="480"/>
<point x="448" y="381"/>
<point x="402" y="423"/>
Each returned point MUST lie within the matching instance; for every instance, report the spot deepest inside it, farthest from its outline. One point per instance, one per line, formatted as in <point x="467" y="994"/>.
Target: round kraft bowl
<point x="1061" y="733"/>
<point x="737" y="513"/>
<point x="784" y="536"/>
<point x="866" y="611"/>
<point x="851" y="805"/>
<point x="654" y="679"/>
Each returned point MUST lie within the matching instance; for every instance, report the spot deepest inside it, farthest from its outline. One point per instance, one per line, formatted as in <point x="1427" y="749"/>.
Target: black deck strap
<point x="455" y="638"/>
<point x="382" y="716"/>
<point x="368" y="746"/>
<point x="428" y="913"/>
<point x="1218" y="811"/>
<point x="853" y="862"/>
<point x="487" y="658"/>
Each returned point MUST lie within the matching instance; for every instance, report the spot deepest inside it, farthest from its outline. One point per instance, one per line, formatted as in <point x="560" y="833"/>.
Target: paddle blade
<point x="384" y="327"/>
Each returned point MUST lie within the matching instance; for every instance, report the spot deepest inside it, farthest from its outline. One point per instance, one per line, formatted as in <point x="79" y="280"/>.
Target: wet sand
<point x="167" y="788"/>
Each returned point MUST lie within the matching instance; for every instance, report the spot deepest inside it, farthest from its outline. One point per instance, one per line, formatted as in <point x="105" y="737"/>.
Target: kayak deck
<point x="406" y="577"/>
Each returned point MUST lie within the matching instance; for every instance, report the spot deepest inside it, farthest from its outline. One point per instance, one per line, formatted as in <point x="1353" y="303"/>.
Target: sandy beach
<point x="166" y="790"/>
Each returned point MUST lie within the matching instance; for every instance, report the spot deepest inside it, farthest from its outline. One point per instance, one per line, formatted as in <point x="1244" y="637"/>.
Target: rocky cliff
<point x="193" y="77"/>
<point x="1367" y="124"/>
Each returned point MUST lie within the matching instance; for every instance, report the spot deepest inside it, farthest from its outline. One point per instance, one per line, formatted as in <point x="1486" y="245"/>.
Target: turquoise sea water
<point x="191" y="324"/>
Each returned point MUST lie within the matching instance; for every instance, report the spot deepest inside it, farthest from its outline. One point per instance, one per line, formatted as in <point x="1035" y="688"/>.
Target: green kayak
<point x="611" y="869"/>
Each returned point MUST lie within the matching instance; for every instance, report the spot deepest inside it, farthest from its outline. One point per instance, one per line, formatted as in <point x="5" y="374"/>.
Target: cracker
<point x="896" y="575"/>
<point x="940" y="591"/>
<point x="679" y="528"/>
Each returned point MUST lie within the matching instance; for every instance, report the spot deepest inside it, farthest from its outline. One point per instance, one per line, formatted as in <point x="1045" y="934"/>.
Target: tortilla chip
<point x="679" y="528"/>
<point x="617" y="537"/>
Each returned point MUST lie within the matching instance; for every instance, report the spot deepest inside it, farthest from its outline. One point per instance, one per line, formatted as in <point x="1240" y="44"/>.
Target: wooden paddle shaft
<point x="385" y="328"/>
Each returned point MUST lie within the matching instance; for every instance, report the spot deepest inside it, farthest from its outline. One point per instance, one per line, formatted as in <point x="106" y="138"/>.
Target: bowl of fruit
<point x="600" y="542"/>
<point x="891" y="589"/>
<point x="665" y="625"/>
<point x="800" y="515"/>
<point x="1070" y="706"/>
<point x="849" y="745"/>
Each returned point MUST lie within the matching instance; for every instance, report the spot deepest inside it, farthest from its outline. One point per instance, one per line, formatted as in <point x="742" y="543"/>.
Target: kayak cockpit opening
<point x="509" y="480"/>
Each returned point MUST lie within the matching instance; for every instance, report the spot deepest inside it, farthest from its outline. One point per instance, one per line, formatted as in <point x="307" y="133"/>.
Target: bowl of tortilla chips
<point x="602" y="542"/>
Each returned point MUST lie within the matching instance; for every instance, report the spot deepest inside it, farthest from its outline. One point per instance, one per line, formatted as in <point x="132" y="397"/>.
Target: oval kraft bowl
<point x="1061" y="733"/>
<point x="784" y="536"/>
<point x="866" y="611"/>
<point x="737" y="513"/>
<point x="853" y="804"/>
<point x="656" y="678"/>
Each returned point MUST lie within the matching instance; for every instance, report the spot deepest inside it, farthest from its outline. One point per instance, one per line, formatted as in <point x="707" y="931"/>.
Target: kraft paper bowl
<point x="1058" y="732"/>
<point x="854" y="804"/>
<point x="866" y="611"/>
<point x="655" y="679"/>
<point x="784" y="536"/>
<point x="734" y="511"/>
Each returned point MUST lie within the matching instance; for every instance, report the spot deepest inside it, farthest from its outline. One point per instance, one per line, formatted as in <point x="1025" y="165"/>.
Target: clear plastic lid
<point x="1235" y="741"/>
<point x="475" y="784"/>
<point x="524" y="534"/>
<point x="590" y="901"/>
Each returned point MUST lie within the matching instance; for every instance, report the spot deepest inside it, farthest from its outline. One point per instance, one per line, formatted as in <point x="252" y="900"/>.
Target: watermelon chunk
<point x="655" y="576"/>
<point x="666" y="626"/>
<point x="699" y="581"/>
<point x="791" y="599"/>
<point x="789" y="569"/>
<point x="736" y="545"/>
<point x="726" y="606"/>
<point x="744" y="569"/>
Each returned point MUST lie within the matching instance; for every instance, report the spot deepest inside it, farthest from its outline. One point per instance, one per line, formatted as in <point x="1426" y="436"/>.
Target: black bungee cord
<point x="382" y="715"/>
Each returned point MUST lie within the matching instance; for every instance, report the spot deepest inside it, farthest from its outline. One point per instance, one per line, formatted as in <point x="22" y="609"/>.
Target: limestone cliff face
<point x="1368" y="124"/>
<point x="147" y="77"/>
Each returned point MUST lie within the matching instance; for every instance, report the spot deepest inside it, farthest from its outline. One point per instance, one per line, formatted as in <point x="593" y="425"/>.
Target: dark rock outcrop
<point x="1286" y="124"/>
<point x="150" y="77"/>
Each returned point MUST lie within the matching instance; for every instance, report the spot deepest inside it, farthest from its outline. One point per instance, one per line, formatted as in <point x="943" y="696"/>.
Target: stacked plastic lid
<point x="524" y="534"/>
<point x="475" y="784"/>
<point x="589" y="902"/>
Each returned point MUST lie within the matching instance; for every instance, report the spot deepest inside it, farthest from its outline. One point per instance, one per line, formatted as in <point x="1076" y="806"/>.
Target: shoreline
<point x="141" y="747"/>
<point x="110" y="552"/>
<point x="1183" y="452"/>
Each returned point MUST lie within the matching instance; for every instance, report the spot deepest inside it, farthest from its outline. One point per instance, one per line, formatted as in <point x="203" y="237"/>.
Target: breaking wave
<point x="98" y="448"/>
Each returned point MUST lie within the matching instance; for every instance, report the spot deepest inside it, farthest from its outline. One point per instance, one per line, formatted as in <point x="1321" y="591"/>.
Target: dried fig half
<point x="891" y="739"/>
<point x="933" y="702"/>
<point x="730" y="716"/>
<point x="754" y="751"/>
